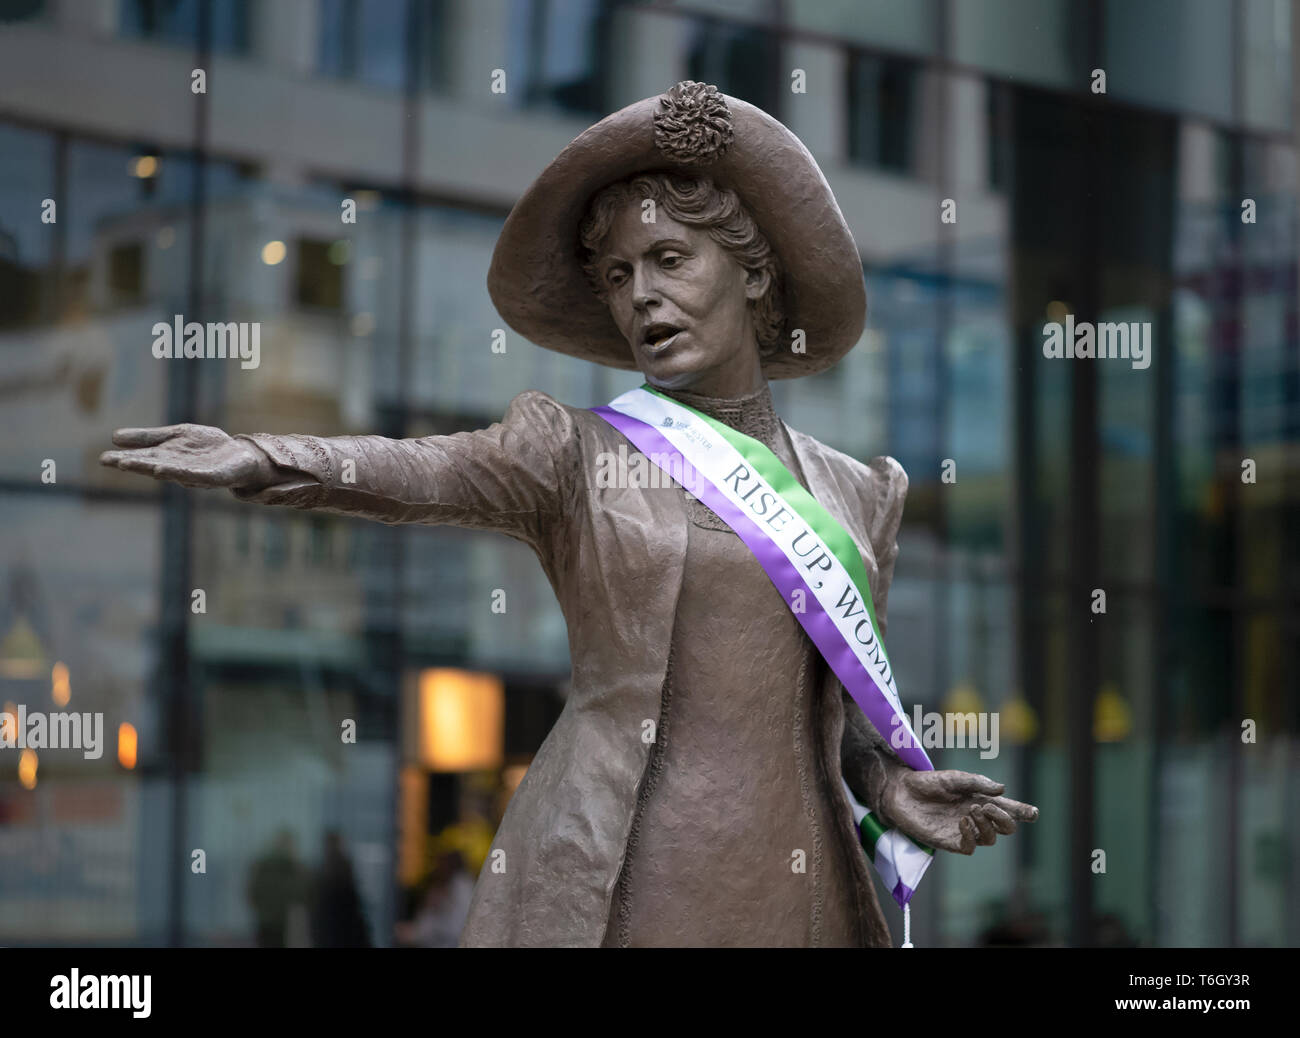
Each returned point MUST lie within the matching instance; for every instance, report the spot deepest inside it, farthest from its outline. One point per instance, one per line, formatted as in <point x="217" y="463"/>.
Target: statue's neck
<point x="752" y="414"/>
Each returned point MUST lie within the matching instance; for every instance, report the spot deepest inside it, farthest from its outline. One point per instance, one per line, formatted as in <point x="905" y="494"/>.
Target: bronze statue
<point x="707" y="742"/>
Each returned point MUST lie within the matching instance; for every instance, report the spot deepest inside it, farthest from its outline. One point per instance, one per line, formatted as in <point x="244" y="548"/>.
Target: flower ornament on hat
<point x="692" y="124"/>
<point x="536" y="278"/>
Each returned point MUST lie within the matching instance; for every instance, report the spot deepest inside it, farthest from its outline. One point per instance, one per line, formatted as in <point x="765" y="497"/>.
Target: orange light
<point x="462" y="720"/>
<point x="127" y="740"/>
<point x="61" y="688"/>
<point x="144" y="166"/>
<point x="512" y="776"/>
<point x="27" y="769"/>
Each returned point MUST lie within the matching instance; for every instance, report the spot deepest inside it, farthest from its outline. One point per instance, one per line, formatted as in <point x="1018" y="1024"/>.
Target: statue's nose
<point x="644" y="293"/>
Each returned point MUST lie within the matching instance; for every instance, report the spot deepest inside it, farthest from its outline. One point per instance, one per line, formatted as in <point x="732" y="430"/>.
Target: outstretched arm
<point x="513" y="476"/>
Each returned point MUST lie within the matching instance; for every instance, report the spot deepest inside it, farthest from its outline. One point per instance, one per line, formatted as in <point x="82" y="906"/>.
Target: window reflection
<point x="177" y="22"/>
<point x="883" y="116"/>
<point x="741" y="60"/>
<point x="560" y="50"/>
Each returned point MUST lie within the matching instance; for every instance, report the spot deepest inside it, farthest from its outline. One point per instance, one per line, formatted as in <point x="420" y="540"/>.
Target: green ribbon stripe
<point x="782" y="480"/>
<point x="873" y="829"/>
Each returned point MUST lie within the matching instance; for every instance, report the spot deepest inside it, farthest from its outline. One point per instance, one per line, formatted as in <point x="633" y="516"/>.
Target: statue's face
<point x="682" y="302"/>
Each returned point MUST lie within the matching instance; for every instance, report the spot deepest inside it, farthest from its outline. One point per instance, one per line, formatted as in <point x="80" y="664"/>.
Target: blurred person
<point x="337" y="917"/>
<point x="277" y="886"/>
<point x="442" y="905"/>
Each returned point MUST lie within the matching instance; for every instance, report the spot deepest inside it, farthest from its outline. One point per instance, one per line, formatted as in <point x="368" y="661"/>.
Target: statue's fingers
<point x="144" y="437"/>
<point x="1000" y="820"/>
<point x="986" y="834"/>
<point x="130" y="461"/>
<point x="1020" y="812"/>
<point x="967" y="829"/>
<point x="967" y="783"/>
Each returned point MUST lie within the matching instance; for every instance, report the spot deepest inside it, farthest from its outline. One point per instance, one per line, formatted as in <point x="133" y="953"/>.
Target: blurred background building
<point x="227" y="728"/>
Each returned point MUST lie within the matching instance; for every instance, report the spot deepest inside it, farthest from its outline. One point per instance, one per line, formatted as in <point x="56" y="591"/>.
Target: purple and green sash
<point x="813" y="562"/>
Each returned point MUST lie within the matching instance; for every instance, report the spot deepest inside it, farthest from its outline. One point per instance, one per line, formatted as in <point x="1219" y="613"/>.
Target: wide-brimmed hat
<point x="536" y="279"/>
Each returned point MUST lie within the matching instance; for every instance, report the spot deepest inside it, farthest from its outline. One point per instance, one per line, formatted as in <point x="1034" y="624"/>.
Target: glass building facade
<point x="339" y="172"/>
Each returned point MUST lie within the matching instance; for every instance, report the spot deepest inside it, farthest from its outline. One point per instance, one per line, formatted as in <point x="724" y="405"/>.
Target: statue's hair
<point x="695" y="201"/>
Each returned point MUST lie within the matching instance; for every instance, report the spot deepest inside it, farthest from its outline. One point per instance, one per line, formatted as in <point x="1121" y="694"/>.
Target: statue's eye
<point x="616" y="277"/>
<point x="670" y="260"/>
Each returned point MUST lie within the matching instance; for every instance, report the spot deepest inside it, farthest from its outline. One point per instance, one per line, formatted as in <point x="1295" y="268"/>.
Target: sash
<point x="811" y="560"/>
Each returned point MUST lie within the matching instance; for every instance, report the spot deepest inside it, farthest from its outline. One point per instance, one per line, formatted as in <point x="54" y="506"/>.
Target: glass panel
<point x="1123" y="777"/>
<point x="1174" y="54"/>
<point x="365" y="42"/>
<point x="323" y="295"/>
<point x="458" y="373"/>
<point x="22" y="10"/>
<point x="884" y="112"/>
<point x="910" y="27"/>
<point x="27" y="179"/>
<point x="280" y="666"/>
<point x="83" y="837"/>
<point x="1265" y="63"/>
<point x="1032" y="40"/>
<point x="563" y="45"/>
<point x="177" y="21"/>
<point x="740" y="60"/>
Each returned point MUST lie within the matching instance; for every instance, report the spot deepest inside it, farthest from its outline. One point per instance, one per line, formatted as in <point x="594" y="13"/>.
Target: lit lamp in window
<point x="462" y="720"/>
<point x="21" y="652"/>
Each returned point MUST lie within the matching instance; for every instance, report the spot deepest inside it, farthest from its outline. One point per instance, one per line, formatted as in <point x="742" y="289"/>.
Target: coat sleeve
<point x="866" y="759"/>
<point x="515" y="476"/>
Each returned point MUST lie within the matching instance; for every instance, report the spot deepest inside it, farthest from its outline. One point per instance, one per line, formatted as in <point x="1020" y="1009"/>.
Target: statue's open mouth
<point x="659" y="336"/>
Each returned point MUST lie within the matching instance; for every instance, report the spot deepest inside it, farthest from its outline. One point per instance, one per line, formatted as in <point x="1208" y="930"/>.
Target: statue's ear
<point x="757" y="282"/>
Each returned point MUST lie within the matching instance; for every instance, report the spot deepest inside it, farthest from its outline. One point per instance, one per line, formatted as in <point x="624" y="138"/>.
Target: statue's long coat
<point x="614" y="557"/>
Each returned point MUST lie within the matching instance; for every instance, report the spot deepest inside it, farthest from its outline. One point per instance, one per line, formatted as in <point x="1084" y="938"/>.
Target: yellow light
<point x="61" y="690"/>
<point x="1057" y="311"/>
<point x="1112" y="721"/>
<point x="273" y="252"/>
<point x="1019" y="722"/>
<point x="144" y="166"/>
<point x="27" y="769"/>
<point x="127" y="740"/>
<point x="21" y="653"/>
<point x="462" y="720"/>
<point x="962" y="698"/>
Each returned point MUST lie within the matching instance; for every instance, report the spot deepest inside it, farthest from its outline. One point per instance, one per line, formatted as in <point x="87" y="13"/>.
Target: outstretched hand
<point x="191" y="455"/>
<point x="952" y="810"/>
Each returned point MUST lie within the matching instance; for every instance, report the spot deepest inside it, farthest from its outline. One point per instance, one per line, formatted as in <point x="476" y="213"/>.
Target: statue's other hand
<point x="952" y="810"/>
<point x="191" y="455"/>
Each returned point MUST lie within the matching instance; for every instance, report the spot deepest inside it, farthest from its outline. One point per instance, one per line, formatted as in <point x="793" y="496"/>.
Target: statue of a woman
<point x="696" y="788"/>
